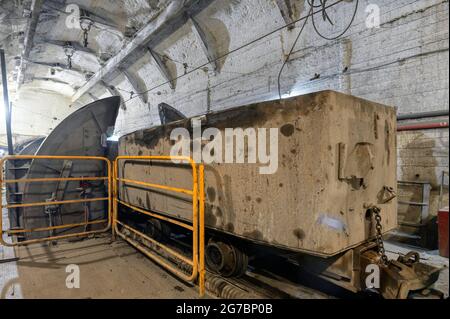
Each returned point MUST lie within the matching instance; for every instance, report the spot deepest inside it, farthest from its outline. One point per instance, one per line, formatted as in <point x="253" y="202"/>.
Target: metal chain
<point x="86" y="37"/>
<point x="86" y="25"/>
<point x="376" y="211"/>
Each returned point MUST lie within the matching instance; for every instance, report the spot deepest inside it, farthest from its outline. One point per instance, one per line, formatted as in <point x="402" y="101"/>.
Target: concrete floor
<point x="107" y="270"/>
<point x="393" y="250"/>
<point x="115" y="270"/>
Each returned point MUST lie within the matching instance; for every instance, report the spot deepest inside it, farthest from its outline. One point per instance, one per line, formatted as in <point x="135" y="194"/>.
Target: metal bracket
<point x="169" y="114"/>
<point x="92" y="96"/>
<point x="285" y="10"/>
<point x="114" y="92"/>
<point x="162" y="68"/>
<point x="207" y="43"/>
<point x="138" y="86"/>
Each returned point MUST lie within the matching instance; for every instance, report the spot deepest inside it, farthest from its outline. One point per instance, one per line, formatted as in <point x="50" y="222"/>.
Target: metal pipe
<point x="196" y="228"/>
<point x="64" y="202"/>
<point x="424" y="126"/>
<point x="201" y="270"/>
<point x="167" y="219"/>
<point x="6" y="102"/>
<point x="23" y="231"/>
<point x="167" y="188"/>
<point x="422" y="115"/>
<point x="15" y="188"/>
<point x="54" y="238"/>
<point x="68" y="179"/>
<point x="441" y="188"/>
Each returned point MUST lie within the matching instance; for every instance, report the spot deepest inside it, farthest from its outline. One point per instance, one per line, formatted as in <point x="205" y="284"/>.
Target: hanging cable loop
<point x="322" y="6"/>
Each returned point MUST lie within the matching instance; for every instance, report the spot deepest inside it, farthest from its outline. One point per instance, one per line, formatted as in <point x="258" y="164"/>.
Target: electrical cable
<point x="323" y="2"/>
<point x="290" y="52"/>
<point x="324" y="7"/>
<point x="129" y="92"/>
<point x="234" y="50"/>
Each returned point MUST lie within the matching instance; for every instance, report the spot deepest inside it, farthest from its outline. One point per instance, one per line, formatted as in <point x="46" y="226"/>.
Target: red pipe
<point x="426" y="126"/>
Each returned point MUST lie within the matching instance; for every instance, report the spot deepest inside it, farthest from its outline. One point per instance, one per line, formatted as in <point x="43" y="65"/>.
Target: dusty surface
<point x="316" y="199"/>
<point x="428" y="257"/>
<point x="107" y="270"/>
<point x="399" y="66"/>
<point x="116" y="270"/>
<point x="78" y="136"/>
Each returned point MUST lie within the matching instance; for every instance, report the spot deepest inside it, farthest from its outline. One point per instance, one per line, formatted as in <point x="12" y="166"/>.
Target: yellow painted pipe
<point x="201" y="281"/>
<point x="23" y="231"/>
<point x="167" y="219"/>
<point x="68" y="179"/>
<point x="75" y="201"/>
<point x="167" y="188"/>
<point x="54" y="238"/>
<point x="160" y="261"/>
<point x="195" y="220"/>
<point x="169" y="250"/>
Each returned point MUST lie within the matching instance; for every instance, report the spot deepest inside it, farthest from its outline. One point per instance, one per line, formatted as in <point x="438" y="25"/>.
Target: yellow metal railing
<point x="198" y="210"/>
<point x="107" y="179"/>
<point x="197" y="227"/>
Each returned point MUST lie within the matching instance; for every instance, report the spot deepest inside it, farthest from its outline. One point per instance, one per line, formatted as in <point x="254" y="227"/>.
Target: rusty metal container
<point x="337" y="156"/>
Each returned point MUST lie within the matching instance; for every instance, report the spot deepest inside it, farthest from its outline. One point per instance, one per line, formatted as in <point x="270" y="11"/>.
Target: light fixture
<point x="113" y="138"/>
<point x="86" y="24"/>
<point x="69" y="51"/>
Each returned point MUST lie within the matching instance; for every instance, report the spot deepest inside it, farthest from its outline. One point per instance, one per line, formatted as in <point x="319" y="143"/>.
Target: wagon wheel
<point x="157" y="230"/>
<point x="226" y="259"/>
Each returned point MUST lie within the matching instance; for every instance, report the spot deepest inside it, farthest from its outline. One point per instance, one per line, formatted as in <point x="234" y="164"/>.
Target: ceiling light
<point x="86" y="24"/>
<point x="69" y="51"/>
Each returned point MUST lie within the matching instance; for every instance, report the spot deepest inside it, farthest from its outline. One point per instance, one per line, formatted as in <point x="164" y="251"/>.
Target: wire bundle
<point x="322" y="4"/>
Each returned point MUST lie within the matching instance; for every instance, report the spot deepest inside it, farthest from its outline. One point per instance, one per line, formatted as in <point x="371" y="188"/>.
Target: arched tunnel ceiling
<point x="34" y="34"/>
<point x="115" y="24"/>
<point x="38" y="68"/>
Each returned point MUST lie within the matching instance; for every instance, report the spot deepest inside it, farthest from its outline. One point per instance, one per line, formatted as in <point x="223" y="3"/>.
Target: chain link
<point x="86" y="24"/>
<point x="86" y="37"/>
<point x="376" y="212"/>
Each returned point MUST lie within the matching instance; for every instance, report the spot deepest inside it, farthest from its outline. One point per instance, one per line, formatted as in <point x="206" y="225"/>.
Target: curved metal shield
<point x="16" y="170"/>
<point x="83" y="133"/>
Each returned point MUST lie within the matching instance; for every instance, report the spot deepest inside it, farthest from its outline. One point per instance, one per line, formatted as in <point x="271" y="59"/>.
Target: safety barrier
<point x="107" y="221"/>
<point x="197" y="227"/>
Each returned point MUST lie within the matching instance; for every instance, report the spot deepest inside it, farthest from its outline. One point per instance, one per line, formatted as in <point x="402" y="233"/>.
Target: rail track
<point x="273" y="277"/>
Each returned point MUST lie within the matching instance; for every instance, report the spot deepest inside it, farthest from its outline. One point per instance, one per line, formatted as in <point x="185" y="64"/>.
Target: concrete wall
<point x="403" y="63"/>
<point x="36" y="112"/>
<point x="423" y="156"/>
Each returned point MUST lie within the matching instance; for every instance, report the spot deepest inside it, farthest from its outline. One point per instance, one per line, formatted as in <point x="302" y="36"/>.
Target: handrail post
<point x="114" y="200"/>
<point x="63" y="202"/>
<point x="201" y="179"/>
<point x="198" y="241"/>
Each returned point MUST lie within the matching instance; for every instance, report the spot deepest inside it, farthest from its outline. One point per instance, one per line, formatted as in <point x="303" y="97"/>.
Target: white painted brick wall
<point x="404" y="63"/>
<point x="423" y="156"/>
